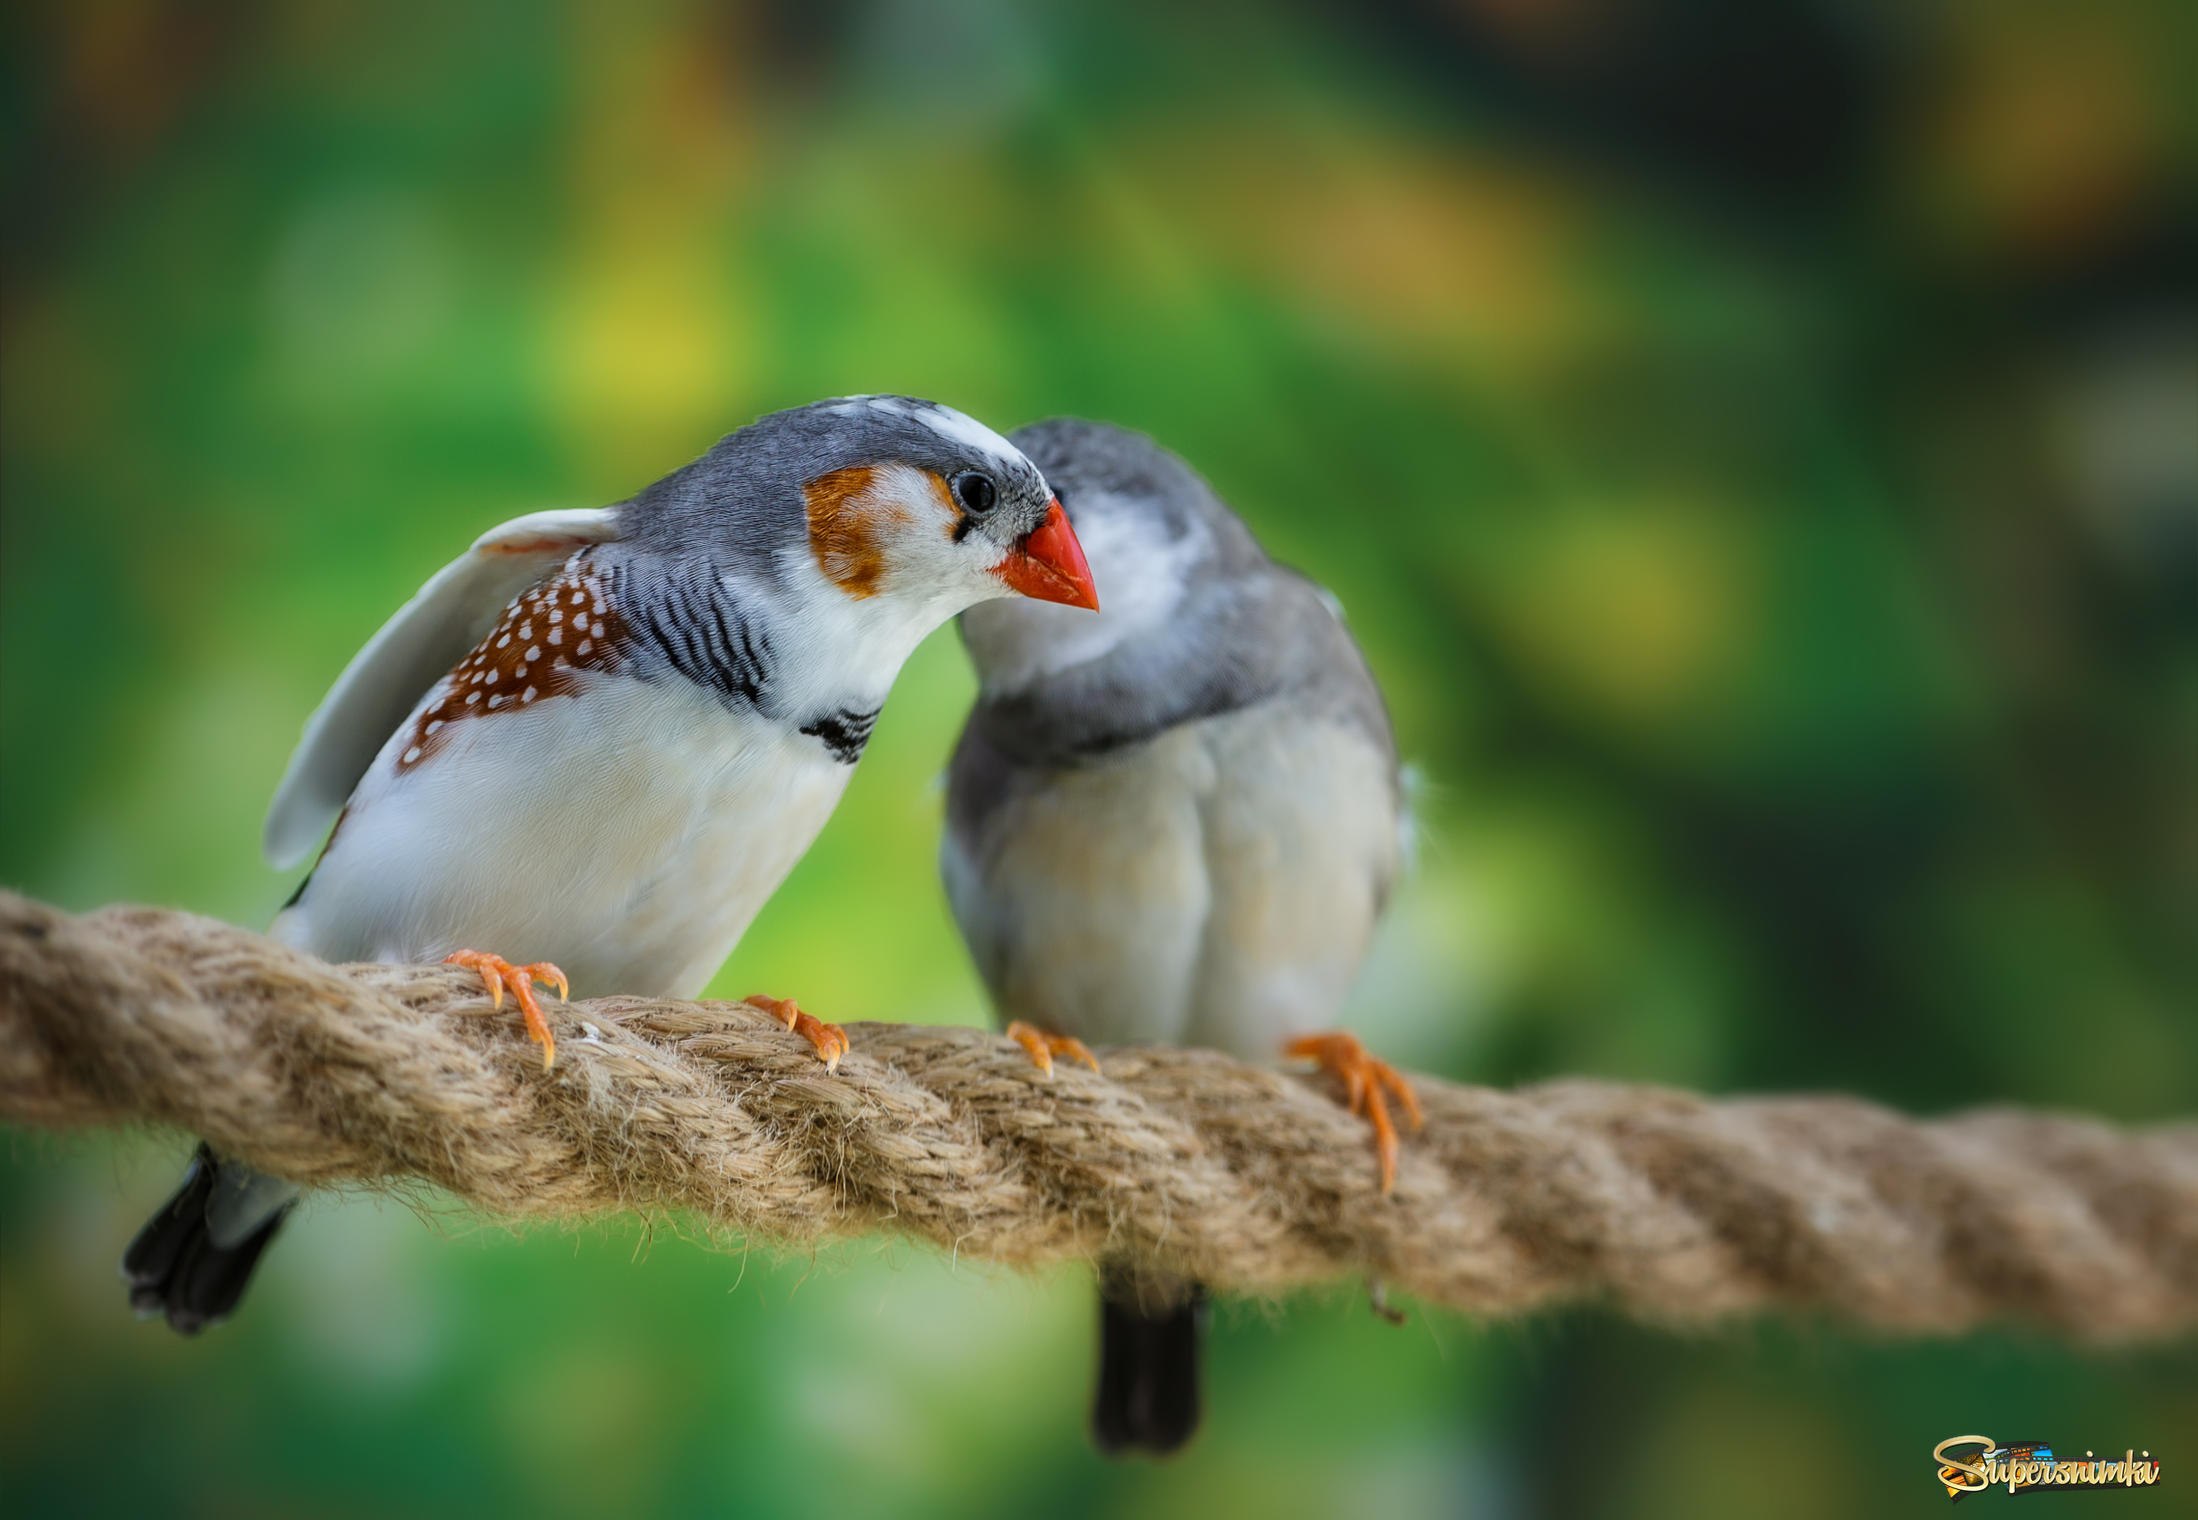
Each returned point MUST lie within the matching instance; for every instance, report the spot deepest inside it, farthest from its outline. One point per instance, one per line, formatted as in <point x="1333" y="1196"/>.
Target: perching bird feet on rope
<point x="498" y="973"/>
<point x="1363" y="1077"/>
<point x="829" y="1039"/>
<point x="1701" y="1208"/>
<point x="1043" y="1046"/>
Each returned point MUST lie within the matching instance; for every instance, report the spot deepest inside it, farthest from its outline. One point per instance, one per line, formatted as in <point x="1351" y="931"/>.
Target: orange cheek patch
<point x="848" y="522"/>
<point x="545" y="637"/>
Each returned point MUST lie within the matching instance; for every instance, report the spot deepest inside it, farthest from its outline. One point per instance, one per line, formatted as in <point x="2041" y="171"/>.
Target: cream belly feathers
<point x="647" y="827"/>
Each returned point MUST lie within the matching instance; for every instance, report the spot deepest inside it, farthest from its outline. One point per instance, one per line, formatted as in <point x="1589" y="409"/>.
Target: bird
<point x="1174" y="823"/>
<point x="603" y="737"/>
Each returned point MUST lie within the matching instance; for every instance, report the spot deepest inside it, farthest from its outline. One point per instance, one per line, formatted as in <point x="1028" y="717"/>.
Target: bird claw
<point x="829" y="1040"/>
<point x="498" y="974"/>
<point x="1043" y="1046"/>
<point x="1365" y="1080"/>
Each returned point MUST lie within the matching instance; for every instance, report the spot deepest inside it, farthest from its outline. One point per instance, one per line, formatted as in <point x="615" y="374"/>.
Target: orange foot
<point x="1363" y="1081"/>
<point x="829" y="1039"/>
<point x="1044" y="1046"/>
<point x="498" y="973"/>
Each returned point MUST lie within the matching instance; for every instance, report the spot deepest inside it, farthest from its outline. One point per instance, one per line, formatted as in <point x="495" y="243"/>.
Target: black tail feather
<point x="1149" y="1353"/>
<point x="176" y="1268"/>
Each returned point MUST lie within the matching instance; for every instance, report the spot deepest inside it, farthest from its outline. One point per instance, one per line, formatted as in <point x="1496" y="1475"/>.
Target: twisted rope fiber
<point x="1671" y="1207"/>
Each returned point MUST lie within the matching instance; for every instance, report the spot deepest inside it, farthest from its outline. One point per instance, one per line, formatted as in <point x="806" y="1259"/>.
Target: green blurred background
<point x="1755" y="443"/>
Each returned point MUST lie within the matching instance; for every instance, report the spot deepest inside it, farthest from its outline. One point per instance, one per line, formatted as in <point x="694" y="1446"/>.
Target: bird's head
<point x="890" y="500"/>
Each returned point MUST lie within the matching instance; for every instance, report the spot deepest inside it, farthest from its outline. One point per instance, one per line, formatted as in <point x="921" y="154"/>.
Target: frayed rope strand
<point x="1670" y="1207"/>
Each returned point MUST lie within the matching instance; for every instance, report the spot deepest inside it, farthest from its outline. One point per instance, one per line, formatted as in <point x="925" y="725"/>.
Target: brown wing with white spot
<point x="547" y="635"/>
<point x="416" y="648"/>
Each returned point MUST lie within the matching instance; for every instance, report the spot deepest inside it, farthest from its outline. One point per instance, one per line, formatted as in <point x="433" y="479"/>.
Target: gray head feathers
<point x="741" y="503"/>
<point x="1195" y="618"/>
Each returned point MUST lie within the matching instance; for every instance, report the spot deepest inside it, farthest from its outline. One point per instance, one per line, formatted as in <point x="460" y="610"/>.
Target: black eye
<point x="974" y="493"/>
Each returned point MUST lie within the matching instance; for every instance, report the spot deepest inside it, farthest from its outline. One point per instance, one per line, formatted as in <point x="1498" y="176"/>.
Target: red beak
<point x="1049" y="564"/>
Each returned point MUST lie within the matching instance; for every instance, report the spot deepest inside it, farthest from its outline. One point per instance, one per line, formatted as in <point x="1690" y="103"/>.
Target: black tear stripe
<point x="844" y="732"/>
<point x="698" y="629"/>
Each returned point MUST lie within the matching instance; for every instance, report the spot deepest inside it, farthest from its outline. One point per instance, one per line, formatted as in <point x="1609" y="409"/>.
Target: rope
<point x="1670" y="1207"/>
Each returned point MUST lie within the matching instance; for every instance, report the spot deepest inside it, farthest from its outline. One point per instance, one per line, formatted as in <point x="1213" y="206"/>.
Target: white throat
<point x="850" y="649"/>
